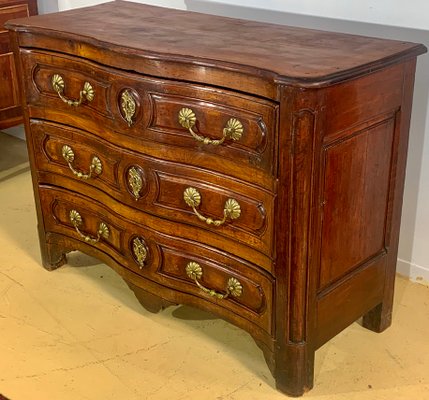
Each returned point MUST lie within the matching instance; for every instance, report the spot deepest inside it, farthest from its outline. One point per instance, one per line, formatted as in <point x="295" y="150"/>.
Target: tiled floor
<point x="79" y="333"/>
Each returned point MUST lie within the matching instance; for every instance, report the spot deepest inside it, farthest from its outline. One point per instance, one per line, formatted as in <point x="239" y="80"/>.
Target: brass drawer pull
<point x="233" y="286"/>
<point x="103" y="229"/>
<point x="233" y="129"/>
<point x="95" y="167"/>
<point x="86" y="93"/>
<point x="231" y="209"/>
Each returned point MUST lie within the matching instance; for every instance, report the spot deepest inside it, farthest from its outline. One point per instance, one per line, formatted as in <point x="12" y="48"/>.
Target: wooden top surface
<point x="297" y="54"/>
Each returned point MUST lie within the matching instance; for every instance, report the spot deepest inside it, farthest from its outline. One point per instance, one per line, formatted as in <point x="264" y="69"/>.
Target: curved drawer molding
<point x="61" y="87"/>
<point x="135" y="180"/>
<point x="227" y="209"/>
<point x="129" y="104"/>
<point x="223" y="282"/>
<point x="236" y="130"/>
<point x="82" y="222"/>
<point x="140" y="251"/>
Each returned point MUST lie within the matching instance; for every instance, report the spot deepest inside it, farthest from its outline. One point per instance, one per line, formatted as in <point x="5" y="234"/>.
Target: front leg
<point x="379" y="318"/>
<point x="54" y="248"/>
<point x="53" y="254"/>
<point x="294" y="369"/>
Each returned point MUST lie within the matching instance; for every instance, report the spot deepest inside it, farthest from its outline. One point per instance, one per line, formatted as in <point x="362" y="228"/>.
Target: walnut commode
<point x="252" y="170"/>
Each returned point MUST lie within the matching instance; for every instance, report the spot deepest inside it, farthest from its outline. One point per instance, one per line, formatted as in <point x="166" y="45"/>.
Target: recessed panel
<point x="356" y="188"/>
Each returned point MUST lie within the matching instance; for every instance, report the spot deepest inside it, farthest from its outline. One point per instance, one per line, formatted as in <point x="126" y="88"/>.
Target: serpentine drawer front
<point x="231" y="125"/>
<point x="226" y="281"/>
<point x="211" y="201"/>
<point x="249" y="169"/>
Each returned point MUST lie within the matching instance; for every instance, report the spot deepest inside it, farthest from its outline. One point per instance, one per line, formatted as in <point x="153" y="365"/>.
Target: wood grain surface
<point x="294" y="54"/>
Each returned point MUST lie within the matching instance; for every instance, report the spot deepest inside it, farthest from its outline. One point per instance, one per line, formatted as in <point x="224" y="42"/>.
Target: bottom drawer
<point x="180" y="264"/>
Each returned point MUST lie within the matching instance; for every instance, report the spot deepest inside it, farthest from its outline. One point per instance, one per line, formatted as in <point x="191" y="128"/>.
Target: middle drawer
<point x="178" y="192"/>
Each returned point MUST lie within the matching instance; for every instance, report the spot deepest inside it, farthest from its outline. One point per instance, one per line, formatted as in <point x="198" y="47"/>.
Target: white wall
<point x="67" y="4"/>
<point x="47" y="6"/>
<point x="400" y="13"/>
<point x="395" y="19"/>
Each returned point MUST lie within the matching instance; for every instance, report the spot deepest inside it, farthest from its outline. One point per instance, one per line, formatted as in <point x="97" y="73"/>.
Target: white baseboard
<point x="416" y="273"/>
<point x="17" y="131"/>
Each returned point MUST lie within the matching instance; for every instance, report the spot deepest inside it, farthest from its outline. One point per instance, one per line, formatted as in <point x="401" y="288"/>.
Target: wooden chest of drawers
<point x="252" y="170"/>
<point x="10" y="106"/>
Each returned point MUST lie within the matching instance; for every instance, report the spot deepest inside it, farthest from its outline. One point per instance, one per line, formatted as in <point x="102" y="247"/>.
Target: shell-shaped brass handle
<point x="94" y="169"/>
<point x="87" y="93"/>
<point x="233" y="129"/>
<point x="140" y="251"/>
<point x="102" y="232"/>
<point x="231" y="210"/>
<point x="233" y="285"/>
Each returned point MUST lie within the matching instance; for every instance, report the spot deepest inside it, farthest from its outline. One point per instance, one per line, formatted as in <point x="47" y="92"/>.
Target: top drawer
<point x="232" y="127"/>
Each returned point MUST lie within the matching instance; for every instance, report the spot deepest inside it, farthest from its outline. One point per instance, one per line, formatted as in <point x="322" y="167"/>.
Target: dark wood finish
<point x="319" y="172"/>
<point x="167" y="255"/>
<point x="10" y="104"/>
<point x="156" y="118"/>
<point x="360" y="158"/>
<point x="297" y="56"/>
<point x="380" y="317"/>
<point x="159" y="104"/>
<point x="163" y="185"/>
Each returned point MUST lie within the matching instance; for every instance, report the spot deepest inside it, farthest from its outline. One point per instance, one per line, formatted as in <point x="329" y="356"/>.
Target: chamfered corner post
<point x="301" y="118"/>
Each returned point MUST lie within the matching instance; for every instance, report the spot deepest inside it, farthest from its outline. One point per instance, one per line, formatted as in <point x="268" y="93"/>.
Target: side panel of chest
<point x="356" y="178"/>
